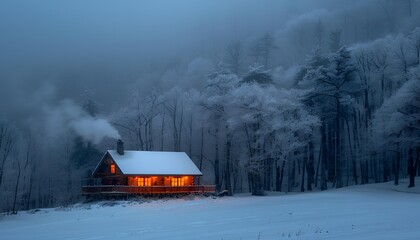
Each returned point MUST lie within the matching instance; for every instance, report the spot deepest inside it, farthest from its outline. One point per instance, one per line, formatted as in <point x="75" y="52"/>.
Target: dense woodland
<point x="320" y="104"/>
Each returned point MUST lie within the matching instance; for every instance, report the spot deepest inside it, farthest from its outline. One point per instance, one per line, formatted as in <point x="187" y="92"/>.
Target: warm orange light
<point x="113" y="168"/>
<point x="144" y="182"/>
<point x="178" y="181"/>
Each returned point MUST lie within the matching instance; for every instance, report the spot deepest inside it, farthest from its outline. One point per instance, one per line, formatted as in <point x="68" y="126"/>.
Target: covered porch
<point x="144" y="185"/>
<point x="147" y="190"/>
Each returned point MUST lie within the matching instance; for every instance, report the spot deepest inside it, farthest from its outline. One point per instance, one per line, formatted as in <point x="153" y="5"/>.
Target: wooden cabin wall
<point x="104" y="169"/>
<point x="108" y="178"/>
<point x="161" y="180"/>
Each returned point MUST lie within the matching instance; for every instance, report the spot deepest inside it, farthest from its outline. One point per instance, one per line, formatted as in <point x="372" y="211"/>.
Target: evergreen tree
<point x="85" y="155"/>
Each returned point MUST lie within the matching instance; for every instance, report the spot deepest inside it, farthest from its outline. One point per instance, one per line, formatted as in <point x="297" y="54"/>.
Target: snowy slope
<point x="366" y="212"/>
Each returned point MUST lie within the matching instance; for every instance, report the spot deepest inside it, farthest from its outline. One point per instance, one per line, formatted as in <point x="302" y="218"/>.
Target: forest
<point x="325" y="96"/>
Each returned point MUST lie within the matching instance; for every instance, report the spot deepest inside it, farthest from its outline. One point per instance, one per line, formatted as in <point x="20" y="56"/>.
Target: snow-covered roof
<point x="154" y="163"/>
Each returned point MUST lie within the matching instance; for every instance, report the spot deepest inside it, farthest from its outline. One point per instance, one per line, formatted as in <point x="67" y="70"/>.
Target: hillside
<point x="376" y="211"/>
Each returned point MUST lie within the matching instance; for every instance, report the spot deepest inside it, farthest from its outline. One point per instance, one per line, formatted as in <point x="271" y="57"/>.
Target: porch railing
<point x="148" y="190"/>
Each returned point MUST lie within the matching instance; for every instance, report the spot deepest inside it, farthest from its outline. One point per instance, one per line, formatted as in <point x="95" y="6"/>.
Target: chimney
<point x="120" y="147"/>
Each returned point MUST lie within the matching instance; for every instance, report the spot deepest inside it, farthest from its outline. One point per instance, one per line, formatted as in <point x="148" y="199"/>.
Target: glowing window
<point x="177" y="182"/>
<point x="141" y="182"/>
<point x="113" y="168"/>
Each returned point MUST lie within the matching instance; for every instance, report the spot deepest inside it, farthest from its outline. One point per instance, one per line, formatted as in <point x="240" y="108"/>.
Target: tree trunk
<point x="324" y="155"/>
<point x="278" y="187"/>
<point x="310" y="166"/>
<point x="256" y="186"/>
<point x="411" y="167"/>
<point x="6" y="150"/>
<point x="236" y="178"/>
<point x="14" y="211"/>
<point x="338" y="179"/>
<point x="318" y="165"/>
<point x="180" y="129"/>
<point x="250" y="181"/>
<point x="217" y="162"/>
<point x="418" y="160"/>
<point x="162" y="132"/>
<point x="397" y="163"/>
<point x="190" y="133"/>
<point x="386" y="169"/>
<point x="175" y="129"/>
<point x="353" y="160"/>
<point x="330" y="151"/>
<point x="200" y="163"/>
<point x="28" y="200"/>
<point x="151" y="147"/>
<point x="228" y="163"/>
<point x="279" y="178"/>
<point x="302" y="184"/>
<point x="366" y="171"/>
<point x="291" y="176"/>
<point x="362" y="173"/>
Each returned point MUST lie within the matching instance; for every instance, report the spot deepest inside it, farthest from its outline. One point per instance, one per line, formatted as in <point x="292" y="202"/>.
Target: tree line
<point x="347" y="116"/>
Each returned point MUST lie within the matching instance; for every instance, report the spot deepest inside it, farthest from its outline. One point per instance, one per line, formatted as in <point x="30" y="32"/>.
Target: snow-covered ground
<point x="376" y="211"/>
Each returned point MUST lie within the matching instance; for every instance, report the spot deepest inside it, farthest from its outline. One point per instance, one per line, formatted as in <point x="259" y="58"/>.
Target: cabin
<point x="122" y="172"/>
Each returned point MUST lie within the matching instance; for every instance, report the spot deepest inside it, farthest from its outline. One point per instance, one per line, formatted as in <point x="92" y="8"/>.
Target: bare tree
<point x="379" y="59"/>
<point x="363" y="68"/>
<point x="29" y="168"/>
<point x="14" y="210"/>
<point x="7" y="141"/>
<point x="139" y="120"/>
<point x="404" y="65"/>
<point x="162" y="130"/>
<point x="175" y="110"/>
<point x="387" y="8"/>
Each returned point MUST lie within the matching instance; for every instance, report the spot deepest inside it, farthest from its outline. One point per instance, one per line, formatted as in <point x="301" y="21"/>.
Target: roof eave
<point x="99" y="164"/>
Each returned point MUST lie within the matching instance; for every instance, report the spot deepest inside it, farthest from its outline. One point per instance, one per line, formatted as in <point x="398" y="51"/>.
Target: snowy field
<point x="365" y="212"/>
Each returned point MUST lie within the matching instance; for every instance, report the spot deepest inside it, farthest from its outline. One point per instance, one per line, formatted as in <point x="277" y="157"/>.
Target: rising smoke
<point x="68" y="116"/>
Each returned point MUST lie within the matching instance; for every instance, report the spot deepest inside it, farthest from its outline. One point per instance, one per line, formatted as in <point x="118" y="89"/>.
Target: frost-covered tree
<point x="334" y="87"/>
<point x="396" y="126"/>
<point x="214" y="100"/>
<point x="273" y="121"/>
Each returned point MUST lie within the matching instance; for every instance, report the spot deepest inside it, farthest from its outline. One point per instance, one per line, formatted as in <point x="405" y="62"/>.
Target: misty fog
<point x="76" y="74"/>
<point x="112" y="47"/>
